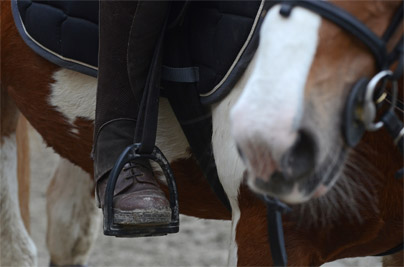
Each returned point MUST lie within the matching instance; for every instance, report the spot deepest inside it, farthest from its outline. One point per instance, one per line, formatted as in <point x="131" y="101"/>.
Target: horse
<point x="361" y="214"/>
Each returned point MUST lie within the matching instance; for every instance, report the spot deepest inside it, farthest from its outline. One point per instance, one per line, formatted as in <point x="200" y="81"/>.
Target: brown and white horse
<point x="298" y="79"/>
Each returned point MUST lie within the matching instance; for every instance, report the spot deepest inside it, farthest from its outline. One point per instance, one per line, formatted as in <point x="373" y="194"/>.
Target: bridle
<point x="363" y="96"/>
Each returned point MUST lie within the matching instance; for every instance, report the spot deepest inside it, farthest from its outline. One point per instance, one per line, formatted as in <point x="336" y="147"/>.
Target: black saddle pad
<point x="216" y="38"/>
<point x="63" y="32"/>
<point x="220" y="38"/>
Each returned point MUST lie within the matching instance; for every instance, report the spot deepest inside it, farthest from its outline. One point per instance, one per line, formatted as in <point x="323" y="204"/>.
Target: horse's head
<point x="287" y="122"/>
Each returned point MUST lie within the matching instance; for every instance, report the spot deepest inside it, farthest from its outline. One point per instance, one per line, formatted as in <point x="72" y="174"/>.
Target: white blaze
<point x="273" y="81"/>
<point x="270" y="108"/>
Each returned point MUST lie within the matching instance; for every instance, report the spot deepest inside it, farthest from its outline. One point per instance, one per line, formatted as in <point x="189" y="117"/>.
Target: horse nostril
<point x="299" y="161"/>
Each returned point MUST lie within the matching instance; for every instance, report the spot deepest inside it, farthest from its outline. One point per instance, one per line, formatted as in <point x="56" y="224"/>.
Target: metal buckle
<point x="111" y="228"/>
<point x="370" y="107"/>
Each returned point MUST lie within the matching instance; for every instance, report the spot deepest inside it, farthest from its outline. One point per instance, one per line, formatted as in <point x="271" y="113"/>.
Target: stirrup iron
<point x="119" y="230"/>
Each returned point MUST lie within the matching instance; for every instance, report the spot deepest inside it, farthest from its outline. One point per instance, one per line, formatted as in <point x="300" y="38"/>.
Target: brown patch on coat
<point x="341" y="59"/>
<point x="396" y="259"/>
<point x="314" y="246"/>
<point x="8" y="115"/>
<point x="27" y="77"/>
<point x="195" y="196"/>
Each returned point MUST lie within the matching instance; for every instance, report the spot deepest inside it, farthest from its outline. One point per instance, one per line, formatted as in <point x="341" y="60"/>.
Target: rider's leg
<point x="137" y="197"/>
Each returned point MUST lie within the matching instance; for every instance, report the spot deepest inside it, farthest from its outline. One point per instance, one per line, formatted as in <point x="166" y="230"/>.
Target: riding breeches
<point x="124" y="60"/>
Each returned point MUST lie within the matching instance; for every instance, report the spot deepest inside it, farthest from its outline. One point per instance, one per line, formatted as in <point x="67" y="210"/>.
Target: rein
<point x="362" y="97"/>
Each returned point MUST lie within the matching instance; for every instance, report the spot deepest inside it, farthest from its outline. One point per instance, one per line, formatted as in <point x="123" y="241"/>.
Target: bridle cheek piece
<point x="363" y="102"/>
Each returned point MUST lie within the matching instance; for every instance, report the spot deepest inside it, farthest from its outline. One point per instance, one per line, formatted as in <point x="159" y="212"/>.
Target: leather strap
<point x="180" y="75"/>
<point x="394" y="24"/>
<point x="344" y="20"/>
<point x="142" y="29"/>
<point x="275" y="208"/>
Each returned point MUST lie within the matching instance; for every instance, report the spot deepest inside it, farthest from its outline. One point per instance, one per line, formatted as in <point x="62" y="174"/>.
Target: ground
<point x="199" y="243"/>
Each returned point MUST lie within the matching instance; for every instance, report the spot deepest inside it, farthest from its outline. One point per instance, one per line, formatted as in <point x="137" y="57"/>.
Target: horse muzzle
<point x="290" y="177"/>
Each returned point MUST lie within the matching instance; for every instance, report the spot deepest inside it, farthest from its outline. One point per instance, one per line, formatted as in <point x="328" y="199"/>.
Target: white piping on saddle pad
<point x="256" y="19"/>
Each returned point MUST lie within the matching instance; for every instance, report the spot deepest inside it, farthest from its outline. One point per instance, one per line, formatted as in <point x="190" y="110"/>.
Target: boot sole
<point x="142" y="217"/>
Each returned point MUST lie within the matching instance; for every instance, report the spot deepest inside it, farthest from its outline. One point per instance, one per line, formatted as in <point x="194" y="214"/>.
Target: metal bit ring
<point x="370" y="105"/>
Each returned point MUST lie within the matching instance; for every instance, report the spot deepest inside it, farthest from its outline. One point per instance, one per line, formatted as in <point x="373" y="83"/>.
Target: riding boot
<point x="137" y="196"/>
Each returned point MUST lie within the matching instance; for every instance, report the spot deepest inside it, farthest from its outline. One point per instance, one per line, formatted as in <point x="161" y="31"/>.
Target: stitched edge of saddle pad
<point x="239" y="64"/>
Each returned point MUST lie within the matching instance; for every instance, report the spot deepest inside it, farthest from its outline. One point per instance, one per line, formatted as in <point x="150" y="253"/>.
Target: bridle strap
<point x="346" y="21"/>
<point x="398" y="51"/>
<point x="275" y="208"/>
<point x="397" y="54"/>
<point x="377" y="45"/>
<point x="395" y="23"/>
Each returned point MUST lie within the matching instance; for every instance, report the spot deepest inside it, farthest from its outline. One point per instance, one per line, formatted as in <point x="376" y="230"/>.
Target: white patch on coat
<point x="233" y="250"/>
<point x="170" y="138"/>
<point x="73" y="218"/>
<point x="229" y="165"/>
<point x="73" y="94"/>
<point x="269" y="110"/>
<point x="16" y="246"/>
